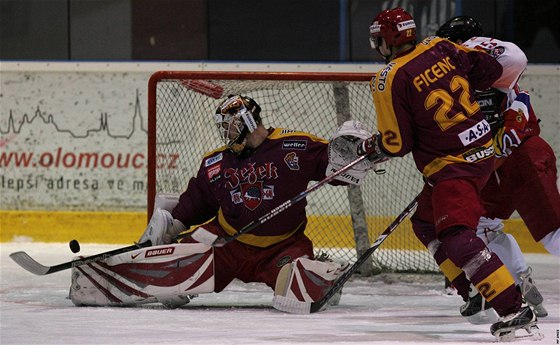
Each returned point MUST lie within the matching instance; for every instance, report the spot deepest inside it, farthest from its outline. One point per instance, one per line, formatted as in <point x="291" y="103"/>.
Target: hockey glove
<point x="491" y="102"/>
<point x="372" y="149"/>
<point x="514" y="131"/>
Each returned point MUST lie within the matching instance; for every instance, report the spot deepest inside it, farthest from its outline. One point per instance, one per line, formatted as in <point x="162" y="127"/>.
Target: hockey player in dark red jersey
<point x="257" y="170"/>
<point x="424" y="99"/>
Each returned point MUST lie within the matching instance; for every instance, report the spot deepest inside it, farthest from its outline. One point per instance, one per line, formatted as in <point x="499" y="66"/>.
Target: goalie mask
<point x="236" y="117"/>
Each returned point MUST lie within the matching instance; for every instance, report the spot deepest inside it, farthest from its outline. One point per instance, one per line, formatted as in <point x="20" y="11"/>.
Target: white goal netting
<point x="342" y="221"/>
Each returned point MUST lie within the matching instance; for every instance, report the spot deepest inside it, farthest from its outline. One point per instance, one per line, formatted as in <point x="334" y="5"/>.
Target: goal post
<point x="342" y="221"/>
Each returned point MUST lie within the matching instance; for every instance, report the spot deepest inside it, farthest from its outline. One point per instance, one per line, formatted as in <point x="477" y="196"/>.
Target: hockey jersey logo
<point x="292" y="161"/>
<point x="252" y="194"/>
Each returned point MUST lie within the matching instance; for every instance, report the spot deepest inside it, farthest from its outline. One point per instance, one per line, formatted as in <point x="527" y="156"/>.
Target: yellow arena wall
<point x="126" y="227"/>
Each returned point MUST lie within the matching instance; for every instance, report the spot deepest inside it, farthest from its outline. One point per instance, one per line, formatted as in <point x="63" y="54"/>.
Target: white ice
<point x="385" y="309"/>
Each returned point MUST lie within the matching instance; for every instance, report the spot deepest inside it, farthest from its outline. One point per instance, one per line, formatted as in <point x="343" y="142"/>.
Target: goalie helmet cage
<point x="342" y="221"/>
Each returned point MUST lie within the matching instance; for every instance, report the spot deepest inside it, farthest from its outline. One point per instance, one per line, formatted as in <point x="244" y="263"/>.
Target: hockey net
<point x="343" y="221"/>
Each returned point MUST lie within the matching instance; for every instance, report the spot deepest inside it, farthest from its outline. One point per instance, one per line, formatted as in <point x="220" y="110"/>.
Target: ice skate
<point x="524" y="319"/>
<point x="476" y="310"/>
<point x="173" y="302"/>
<point x="531" y="294"/>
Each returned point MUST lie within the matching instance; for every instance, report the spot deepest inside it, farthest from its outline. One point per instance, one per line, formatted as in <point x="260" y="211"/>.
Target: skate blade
<point x="509" y="334"/>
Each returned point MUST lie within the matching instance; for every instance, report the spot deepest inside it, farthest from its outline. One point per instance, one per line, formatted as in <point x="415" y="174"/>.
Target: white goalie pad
<point x="304" y="281"/>
<point x="343" y="147"/>
<point x="167" y="274"/>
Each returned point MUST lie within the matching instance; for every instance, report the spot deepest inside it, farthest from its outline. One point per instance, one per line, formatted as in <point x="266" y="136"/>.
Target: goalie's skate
<point x="531" y="294"/>
<point x="476" y="310"/>
<point x="523" y="320"/>
<point x="173" y="302"/>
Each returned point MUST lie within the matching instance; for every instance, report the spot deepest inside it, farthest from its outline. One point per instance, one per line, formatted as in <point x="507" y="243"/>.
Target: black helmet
<point x="460" y="28"/>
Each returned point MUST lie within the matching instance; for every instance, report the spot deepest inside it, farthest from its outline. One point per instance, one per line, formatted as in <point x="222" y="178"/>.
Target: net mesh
<point x="343" y="221"/>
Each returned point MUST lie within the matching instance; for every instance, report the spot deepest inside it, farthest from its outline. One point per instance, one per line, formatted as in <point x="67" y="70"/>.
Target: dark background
<point x="249" y="30"/>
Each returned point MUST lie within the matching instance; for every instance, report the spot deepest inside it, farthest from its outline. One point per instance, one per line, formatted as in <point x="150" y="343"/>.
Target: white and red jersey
<point x="508" y="54"/>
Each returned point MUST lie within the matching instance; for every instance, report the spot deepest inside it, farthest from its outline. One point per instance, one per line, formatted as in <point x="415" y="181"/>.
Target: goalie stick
<point x="28" y="263"/>
<point x="297" y="307"/>
<point x="204" y="236"/>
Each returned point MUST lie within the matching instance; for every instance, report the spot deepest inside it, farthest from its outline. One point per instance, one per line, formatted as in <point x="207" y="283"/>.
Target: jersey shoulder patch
<point x="283" y="133"/>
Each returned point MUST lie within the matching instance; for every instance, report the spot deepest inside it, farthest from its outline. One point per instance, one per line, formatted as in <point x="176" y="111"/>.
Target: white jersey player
<point x="503" y="193"/>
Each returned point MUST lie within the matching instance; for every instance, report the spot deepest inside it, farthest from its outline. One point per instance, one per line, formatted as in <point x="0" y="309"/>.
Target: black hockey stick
<point x="204" y="236"/>
<point x="298" y="307"/>
<point x="27" y="262"/>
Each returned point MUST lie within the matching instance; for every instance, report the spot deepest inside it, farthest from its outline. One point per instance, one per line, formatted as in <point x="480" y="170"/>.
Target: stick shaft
<point x="221" y="241"/>
<point x="28" y="263"/>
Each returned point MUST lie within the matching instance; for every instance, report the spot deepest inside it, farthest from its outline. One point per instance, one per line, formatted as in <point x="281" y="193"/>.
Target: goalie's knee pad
<point x="167" y="274"/>
<point x="306" y="280"/>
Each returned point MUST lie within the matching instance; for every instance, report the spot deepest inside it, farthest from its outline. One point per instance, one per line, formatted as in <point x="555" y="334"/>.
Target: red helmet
<point x="396" y="26"/>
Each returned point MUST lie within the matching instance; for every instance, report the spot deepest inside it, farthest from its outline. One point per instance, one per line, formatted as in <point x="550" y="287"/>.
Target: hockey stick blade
<point x="222" y="241"/>
<point x="298" y="307"/>
<point x="28" y="263"/>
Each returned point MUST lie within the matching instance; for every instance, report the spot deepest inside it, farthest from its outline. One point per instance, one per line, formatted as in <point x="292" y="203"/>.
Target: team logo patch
<point x="160" y="252"/>
<point x="292" y="161"/>
<point x="213" y="160"/>
<point x="213" y="171"/>
<point x="498" y="51"/>
<point x="252" y="194"/>
<point x="284" y="260"/>
<point x="294" y="145"/>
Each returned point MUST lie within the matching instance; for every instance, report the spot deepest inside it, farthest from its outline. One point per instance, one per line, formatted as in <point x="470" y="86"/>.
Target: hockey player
<point x="425" y="105"/>
<point x="525" y="175"/>
<point x="257" y="170"/>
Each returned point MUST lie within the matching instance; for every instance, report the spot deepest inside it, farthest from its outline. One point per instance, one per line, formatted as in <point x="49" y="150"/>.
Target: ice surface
<point x="385" y="309"/>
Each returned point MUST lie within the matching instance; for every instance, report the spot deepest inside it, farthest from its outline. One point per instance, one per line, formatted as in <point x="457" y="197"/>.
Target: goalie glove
<point x="342" y="151"/>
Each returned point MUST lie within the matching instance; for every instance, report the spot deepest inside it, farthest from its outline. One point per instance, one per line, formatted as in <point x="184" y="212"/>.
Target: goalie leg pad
<point x="167" y="274"/>
<point x="305" y="281"/>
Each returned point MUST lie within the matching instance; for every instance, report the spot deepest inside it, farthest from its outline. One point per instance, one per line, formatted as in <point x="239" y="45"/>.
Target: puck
<point x="74" y="246"/>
